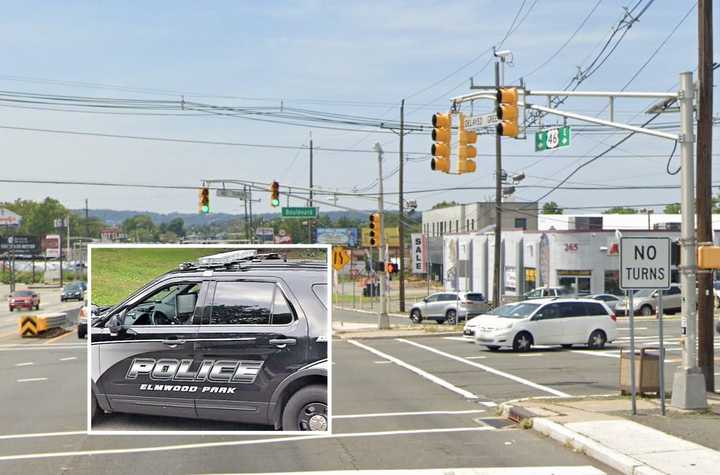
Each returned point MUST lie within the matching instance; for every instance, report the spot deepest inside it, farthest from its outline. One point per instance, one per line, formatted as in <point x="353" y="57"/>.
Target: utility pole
<point x="498" y="204"/>
<point x="245" y="214"/>
<point x="401" y="207"/>
<point x="703" y="192"/>
<point x="383" y="320"/>
<point x="689" y="382"/>
<point x="252" y="227"/>
<point x="87" y="223"/>
<point x="310" y="202"/>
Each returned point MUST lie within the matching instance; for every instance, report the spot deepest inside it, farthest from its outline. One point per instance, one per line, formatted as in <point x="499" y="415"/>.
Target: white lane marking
<point x="535" y="470"/>
<point x="29" y="363"/>
<point x="69" y="358"/>
<point x="49" y="347"/>
<point x="597" y="353"/>
<point x="236" y="443"/>
<point x="475" y="357"/>
<point x="525" y="355"/>
<point x="29" y="380"/>
<point x="457" y="338"/>
<point x="418" y="413"/>
<point x="488" y="403"/>
<point x="503" y="374"/>
<point x="416" y="370"/>
<point x="42" y="434"/>
<point x="382" y="362"/>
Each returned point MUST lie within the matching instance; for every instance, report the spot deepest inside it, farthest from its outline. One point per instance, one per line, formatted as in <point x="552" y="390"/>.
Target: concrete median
<point x="35" y="325"/>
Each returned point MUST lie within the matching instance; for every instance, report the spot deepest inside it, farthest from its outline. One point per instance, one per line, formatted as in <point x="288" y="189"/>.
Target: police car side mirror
<point x="114" y="325"/>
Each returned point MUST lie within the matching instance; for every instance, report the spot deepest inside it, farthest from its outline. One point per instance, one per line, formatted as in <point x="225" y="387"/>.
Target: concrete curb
<point x="399" y="315"/>
<point x="593" y="449"/>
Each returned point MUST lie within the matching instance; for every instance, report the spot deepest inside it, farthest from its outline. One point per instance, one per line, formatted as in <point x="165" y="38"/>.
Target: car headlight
<point x="508" y="326"/>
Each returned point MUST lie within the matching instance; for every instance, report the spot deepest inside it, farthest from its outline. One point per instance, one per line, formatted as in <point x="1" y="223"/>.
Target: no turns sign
<point x="644" y="263"/>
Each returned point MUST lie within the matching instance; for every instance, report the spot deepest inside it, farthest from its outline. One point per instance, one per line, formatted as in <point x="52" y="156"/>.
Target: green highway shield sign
<point x="299" y="212"/>
<point x="551" y="139"/>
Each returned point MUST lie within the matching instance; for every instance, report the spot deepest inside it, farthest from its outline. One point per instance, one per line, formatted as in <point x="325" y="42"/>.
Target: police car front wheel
<point x="306" y="410"/>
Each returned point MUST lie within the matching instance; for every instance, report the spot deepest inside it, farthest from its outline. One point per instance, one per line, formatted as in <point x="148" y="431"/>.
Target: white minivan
<point x="563" y="322"/>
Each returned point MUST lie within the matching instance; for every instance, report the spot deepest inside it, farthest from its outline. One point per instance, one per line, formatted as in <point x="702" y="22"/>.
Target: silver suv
<point x="545" y="292"/>
<point x="645" y="301"/>
<point x="449" y="307"/>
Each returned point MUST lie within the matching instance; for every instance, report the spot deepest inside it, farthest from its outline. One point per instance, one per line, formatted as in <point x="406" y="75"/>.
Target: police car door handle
<point x="173" y="342"/>
<point x="282" y="342"/>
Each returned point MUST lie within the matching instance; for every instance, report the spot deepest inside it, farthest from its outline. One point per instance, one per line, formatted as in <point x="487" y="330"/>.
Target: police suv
<point x="237" y="336"/>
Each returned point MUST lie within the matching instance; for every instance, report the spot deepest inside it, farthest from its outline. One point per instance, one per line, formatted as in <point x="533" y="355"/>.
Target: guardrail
<point x="33" y="325"/>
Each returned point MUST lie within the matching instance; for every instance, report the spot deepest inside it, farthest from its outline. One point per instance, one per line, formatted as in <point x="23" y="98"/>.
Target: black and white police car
<point x="238" y="336"/>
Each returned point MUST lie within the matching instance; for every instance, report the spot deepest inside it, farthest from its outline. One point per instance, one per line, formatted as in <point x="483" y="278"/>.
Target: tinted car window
<point x="282" y="312"/>
<point x="572" y="309"/>
<point x="475" y="297"/>
<point x="448" y="297"/>
<point x="673" y="290"/>
<point x="242" y="303"/>
<point x="432" y="298"/>
<point x="550" y="311"/>
<point x="594" y="309"/>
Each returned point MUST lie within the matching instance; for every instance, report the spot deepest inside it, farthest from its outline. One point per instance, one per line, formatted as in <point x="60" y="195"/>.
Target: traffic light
<point x="507" y="112"/>
<point x="204" y="202"/>
<point x="275" y="194"/>
<point x="708" y="257"/>
<point x="441" y="135"/>
<point x="392" y="268"/>
<point x="375" y="230"/>
<point x="466" y="148"/>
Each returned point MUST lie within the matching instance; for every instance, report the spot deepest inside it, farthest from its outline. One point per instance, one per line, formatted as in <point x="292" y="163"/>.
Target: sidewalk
<point x="682" y="442"/>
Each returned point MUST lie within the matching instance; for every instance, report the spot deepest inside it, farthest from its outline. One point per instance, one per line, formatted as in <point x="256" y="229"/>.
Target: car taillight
<point x="614" y="317"/>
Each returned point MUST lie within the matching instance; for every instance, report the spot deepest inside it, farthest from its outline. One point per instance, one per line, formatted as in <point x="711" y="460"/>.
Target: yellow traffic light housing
<point x="466" y="148"/>
<point x="507" y="112"/>
<point x="442" y="136"/>
<point x="204" y="200"/>
<point x="375" y="230"/>
<point x="708" y="257"/>
<point x="275" y="194"/>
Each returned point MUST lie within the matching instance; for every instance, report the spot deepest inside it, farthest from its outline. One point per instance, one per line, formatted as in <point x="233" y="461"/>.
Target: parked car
<point x="645" y="301"/>
<point x="449" y="307"/>
<point x="24" y="299"/>
<point x="610" y="300"/>
<point x="238" y="336"/>
<point x="716" y="292"/>
<point x="545" y="292"/>
<point x="563" y="322"/>
<point x="73" y="291"/>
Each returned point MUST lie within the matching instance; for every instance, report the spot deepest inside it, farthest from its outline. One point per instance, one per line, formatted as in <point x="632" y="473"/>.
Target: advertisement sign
<point x="51" y="244"/>
<point x="8" y="218"/>
<point x="338" y="236"/>
<point x="419" y="253"/>
<point x="19" y="244"/>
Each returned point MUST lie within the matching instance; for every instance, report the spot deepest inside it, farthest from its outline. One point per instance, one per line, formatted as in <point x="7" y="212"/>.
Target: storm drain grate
<point x="495" y="422"/>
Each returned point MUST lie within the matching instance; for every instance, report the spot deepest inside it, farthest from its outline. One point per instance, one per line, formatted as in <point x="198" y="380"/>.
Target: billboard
<point x="338" y="236"/>
<point x="25" y="245"/>
<point x="51" y="244"/>
<point x="8" y="218"/>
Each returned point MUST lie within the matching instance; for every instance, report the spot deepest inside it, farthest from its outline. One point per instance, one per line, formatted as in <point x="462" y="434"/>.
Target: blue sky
<point x="355" y="58"/>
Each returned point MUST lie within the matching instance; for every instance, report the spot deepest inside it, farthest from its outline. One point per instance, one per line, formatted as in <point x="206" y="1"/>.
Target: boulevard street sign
<point x="231" y="193"/>
<point x="551" y="139"/>
<point x="299" y="212"/>
<point x="480" y="121"/>
<point x="644" y="263"/>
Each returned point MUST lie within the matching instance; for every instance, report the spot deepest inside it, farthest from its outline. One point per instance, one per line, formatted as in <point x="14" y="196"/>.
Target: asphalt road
<point x="388" y="414"/>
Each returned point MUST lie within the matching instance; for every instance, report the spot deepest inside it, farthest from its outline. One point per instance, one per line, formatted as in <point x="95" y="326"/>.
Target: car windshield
<point x="520" y="310"/>
<point x="23" y="293"/>
<point x="73" y="287"/>
<point x="643" y="293"/>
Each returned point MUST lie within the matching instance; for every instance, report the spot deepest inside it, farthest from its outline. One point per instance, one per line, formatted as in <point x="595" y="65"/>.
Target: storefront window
<point x="612" y="282"/>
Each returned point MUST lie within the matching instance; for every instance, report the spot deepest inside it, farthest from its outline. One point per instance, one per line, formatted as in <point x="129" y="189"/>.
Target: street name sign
<point x="231" y="193"/>
<point x="551" y="139"/>
<point x="644" y="263"/>
<point x="480" y="121"/>
<point x="299" y="212"/>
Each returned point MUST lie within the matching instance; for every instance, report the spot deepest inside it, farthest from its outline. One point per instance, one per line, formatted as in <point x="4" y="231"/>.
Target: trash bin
<point x="647" y="369"/>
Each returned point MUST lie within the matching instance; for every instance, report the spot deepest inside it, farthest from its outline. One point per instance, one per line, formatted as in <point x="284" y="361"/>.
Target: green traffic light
<point x="205" y="209"/>
<point x="275" y="202"/>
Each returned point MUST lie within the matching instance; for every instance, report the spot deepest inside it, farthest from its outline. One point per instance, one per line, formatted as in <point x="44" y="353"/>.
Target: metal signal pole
<point x="704" y="189"/>
<point x="383" y="320"/>
<point x="498" y="204"/>
<point x="401" y="208"/>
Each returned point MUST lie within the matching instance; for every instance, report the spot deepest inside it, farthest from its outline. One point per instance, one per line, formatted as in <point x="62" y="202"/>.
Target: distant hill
<point x="115" y="217"/>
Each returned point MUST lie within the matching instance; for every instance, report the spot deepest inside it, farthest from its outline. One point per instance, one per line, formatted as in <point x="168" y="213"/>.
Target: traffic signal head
<point x="441" y="135"/>
<point x="204" y="202"/>
<point x="507" y="112"/>
<point x="375" y="230"/>
<point x="391" y="267"/>
<point x="275" y="194"/>
<point x="466" y="148"/>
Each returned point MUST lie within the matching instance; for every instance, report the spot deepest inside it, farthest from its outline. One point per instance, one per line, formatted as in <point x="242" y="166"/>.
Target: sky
<point x="357" y="58"/>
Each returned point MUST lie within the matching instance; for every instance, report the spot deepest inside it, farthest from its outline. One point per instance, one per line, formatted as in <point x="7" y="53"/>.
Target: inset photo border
<point x="209" y="339"/>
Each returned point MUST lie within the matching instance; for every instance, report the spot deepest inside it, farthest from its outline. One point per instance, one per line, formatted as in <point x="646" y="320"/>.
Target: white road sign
<point x="644" y="263"/>
<point x="231" y="193"/>
<point x="480" y="121"/>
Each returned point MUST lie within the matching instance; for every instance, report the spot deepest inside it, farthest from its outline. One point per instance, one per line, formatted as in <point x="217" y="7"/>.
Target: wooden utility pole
<point x="704" y="188"/>
<point x="497" y="288"/>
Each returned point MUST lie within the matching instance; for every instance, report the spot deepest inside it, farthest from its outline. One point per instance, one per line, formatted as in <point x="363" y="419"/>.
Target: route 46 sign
<point x="551" y="139"/>
<point x="644" y="263"/>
